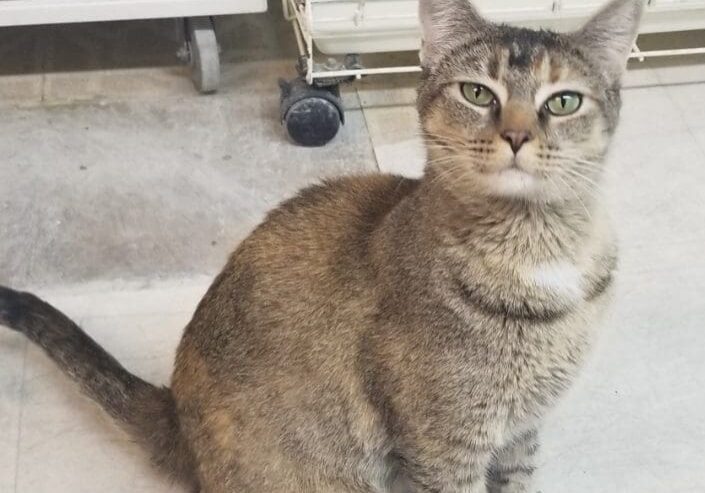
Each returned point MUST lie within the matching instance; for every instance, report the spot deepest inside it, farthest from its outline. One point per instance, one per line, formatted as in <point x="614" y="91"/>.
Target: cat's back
<point x="298" y="285"/>
<point x="321" y="238"/>
<point x="323" y="219"/>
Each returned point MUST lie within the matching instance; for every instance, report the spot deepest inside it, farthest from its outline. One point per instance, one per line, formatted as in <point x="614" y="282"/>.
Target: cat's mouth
<point x="516" y="172"/>
<point x="513" y="181"/>
<point x="514" y="165"/>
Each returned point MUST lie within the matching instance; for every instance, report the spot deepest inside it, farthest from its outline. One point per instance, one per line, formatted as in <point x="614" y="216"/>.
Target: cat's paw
<point x="509" y="487"/>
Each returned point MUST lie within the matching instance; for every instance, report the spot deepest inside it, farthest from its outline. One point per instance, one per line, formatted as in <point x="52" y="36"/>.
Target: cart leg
<point x="311" y="115"/>
<point x="201" y="52"/>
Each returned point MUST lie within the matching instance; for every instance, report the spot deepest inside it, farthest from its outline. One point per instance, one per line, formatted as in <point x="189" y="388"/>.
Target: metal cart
<point x="200" y="47"/>
<point x="310" y="105"/>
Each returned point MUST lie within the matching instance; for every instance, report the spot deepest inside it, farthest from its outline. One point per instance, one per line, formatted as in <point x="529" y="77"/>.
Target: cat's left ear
<point x="444" y="23"/>
<point x="610" y="35"/>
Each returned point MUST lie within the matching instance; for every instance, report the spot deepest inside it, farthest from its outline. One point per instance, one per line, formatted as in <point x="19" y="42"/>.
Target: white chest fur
<point x="561" y="278"/>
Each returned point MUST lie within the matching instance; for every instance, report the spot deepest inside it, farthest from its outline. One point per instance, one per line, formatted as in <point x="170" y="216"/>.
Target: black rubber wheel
<point x="312" y="122"/>
<point x="311" y="115"/>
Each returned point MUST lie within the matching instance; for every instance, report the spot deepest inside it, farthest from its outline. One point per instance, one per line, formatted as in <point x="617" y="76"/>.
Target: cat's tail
<point x="147" y="413"/>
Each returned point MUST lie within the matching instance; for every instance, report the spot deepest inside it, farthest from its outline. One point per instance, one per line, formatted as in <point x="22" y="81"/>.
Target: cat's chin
<point x="514" y="183"/>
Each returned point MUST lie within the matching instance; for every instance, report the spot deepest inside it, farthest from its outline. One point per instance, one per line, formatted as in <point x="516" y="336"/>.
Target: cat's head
<point x="517" y="113"/>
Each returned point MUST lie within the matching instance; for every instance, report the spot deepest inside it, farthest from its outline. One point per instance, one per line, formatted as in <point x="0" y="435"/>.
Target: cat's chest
<point x="536" y="326"/>
<point x="531" y="292"/>
<point x="535" y="361"/>
<point x="561" y="279"/>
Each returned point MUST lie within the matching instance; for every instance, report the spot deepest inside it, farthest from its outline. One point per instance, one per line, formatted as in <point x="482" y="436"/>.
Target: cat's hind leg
<point x="243" y="461"/>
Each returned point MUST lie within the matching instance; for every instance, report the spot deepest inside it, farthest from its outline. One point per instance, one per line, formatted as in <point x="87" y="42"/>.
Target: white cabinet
<point x="586" y="6"/>
<point x="677" y="3"/>
<point x="508" y="9"/>
<point x="364" y="26"/>
<point x="23" y="12"/>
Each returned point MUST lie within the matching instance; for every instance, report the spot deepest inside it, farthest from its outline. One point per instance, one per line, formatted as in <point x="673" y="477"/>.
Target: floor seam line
<point x="367" y="129"/>
<point x="21" y="414"/>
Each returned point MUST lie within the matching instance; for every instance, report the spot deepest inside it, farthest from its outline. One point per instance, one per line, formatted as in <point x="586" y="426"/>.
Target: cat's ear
<point x="443" y="23"/>
<point x="610" y="35"/>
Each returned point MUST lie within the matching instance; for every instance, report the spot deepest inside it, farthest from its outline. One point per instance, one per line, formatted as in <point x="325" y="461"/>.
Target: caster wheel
<point x="203" y="53"/>
<point x="311" y="115"/>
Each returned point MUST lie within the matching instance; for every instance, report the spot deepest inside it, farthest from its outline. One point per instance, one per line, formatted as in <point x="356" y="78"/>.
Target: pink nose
<point x="516" y="138"/>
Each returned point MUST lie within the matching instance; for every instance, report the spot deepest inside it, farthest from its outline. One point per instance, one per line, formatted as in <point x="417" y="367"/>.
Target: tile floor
<point x="122" y="192"/>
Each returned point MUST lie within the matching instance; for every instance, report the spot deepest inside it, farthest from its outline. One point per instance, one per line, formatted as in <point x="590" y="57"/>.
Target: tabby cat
<point x="382" y="334"/>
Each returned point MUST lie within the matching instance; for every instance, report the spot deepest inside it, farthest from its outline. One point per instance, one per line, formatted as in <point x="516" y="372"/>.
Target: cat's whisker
<point x="576" y="159"/>
<point x="581" y="176"/>
<point x="575" y="194"/>
<point x="463" y="158"/>
<point x="457" y="149"/>
<point x="581" y="182"/>
<point x="446" y="141"/>
<point x="454" y="168"/>
<point x="442" y="160"/>
<point x="458" y="171"/>
<point x="454" y="141"/>
<point x="592" y="167"/>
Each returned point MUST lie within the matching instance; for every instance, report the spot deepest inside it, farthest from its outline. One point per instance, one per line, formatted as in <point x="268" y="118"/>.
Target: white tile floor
<point x="172" y="181"/>
<point x="62" y="443"/>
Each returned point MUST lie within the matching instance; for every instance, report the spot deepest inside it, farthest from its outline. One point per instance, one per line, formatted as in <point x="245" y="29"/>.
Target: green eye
<point x="477" y="94"/>
<point x="565" y="103"/>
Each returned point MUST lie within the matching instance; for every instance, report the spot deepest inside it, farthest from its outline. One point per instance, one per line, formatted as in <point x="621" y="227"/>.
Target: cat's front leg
<point x="453" y="479"/>
<point x="512" y="469"/>
<point x="442" y="466"/>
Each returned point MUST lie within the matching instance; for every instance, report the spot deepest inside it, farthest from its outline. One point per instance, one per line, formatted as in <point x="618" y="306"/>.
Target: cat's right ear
<point x="443" y="23"/>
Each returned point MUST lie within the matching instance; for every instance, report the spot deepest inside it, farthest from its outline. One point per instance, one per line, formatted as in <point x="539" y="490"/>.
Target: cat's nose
<point x="516" y="138"/>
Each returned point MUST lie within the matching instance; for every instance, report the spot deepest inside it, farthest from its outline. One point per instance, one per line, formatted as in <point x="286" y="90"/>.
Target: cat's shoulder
<point x="356" y="194"/>
<point x="329" y="213"/>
